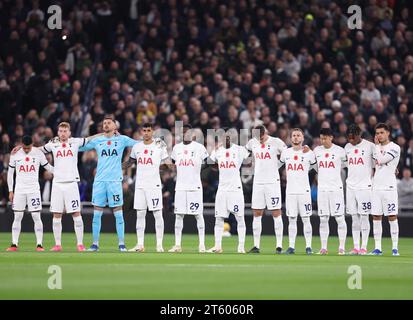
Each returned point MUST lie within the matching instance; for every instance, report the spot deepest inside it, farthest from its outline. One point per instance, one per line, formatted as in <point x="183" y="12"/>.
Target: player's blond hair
<point x="64" y="125"/>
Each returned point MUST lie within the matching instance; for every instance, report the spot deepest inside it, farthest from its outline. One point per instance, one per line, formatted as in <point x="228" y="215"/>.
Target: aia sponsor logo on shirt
<point x="145" y="161"/>
<point x="355" y="161"/>
<point x="108" y="153"/>
<point x="326" y="164"/>
<point x="26" y="168"/>
<point x="64" y="153"/>
<point x="295" y="167"/>
<point x="228" y="164"/>
<point x="262" y="155"/>
<point x="186" y="163"/>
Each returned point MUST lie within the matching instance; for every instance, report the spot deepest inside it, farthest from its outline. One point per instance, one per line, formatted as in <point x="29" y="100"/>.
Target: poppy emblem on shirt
<point x="263" y="146"/>
<point x="227" y="154"/>
<point x="326" y="155"/>
<point x="109" y="143"/>
<point x="64" y="145"/>
<point x="146" y="151"/>
<point x="295" y="157"/>
<point x="356" y="151"/>
<point x="27" y="159"/>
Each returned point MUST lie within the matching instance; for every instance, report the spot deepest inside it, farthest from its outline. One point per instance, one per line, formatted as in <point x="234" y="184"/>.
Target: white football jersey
<point x="148" y="159"/>
<point x="188" y="160"/>
<point x="329" y="164"/>
<point x="385" y="174"/>
<point x="266" y="159"/>
<point x="27" y="166"/>
<point x="65" y="158"/>
<point x="229" y="163"/>
<point x="297" y="165"/>
<point x="360" y="164"/>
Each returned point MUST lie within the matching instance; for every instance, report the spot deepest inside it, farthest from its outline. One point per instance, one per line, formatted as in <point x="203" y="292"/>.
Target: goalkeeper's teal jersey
<point x="110" y="152"/>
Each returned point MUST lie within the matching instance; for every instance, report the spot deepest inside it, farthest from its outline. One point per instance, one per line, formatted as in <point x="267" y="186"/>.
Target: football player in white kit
<point x="26" y="163"/>
<point x="65" y="195"/>
<point x="188" y="157"/>
<point x="148" y="157"/>
<point x="359" y="183"/>
<point x="266" y="189"/>
<point x="230" y="196"/>
<point x="385" y="197"/>
<point x="298" y="195"/>
<point x="331" y="159"/>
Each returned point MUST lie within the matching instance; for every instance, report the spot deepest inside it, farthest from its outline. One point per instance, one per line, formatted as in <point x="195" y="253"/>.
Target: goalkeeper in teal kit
<point x="107" y="186"/>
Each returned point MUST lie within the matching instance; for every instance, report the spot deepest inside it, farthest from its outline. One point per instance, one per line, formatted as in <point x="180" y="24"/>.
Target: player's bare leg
<point x="38" y="229"/>
<point x="257" y="229"/>
<point x="200" y="223"/>
<point x="342" y="234"/>
<point x="79" y="229"/>
<point x="15" y="230"/>
<point x="394" y="232"/>
<point x="57" y="232"/>
<point x="140" y="231"/>
<point x="278" y="229"/>
<point x="377" y="234"/>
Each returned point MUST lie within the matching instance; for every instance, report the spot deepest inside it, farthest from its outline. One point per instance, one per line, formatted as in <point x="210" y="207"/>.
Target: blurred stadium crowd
<point x="209" y="63"/>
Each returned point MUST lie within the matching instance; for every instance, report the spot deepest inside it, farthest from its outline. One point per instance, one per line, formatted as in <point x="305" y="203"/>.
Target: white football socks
<point x="292" y="231"/>
<point x="218" y="230"/>
<point x="159" y="227"/>
<point x="342" y="231"/>
<point x="200" y="223"/>
<point x="179" y="225"/>
<point x="16" y="227"/>
<point x="278" y="229"/>
<point x="78" y="226"/>
<point x="324" y="231"/>
<point x="377" y="233"/>
<point x="38" y="227"/>
<point x="241" y="229"/>
<point x="308" y="231"/>
<point x="256" y="230"/>
<point x="394" y="232"/>
<point x="140" y="226"/>
<point x="365" y="231"/>
<point x="57" y="231"/>
<point x="356" y="229"/>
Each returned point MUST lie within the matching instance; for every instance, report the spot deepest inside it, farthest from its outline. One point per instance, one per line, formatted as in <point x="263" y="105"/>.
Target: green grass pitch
<point x="109" y="274"/>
